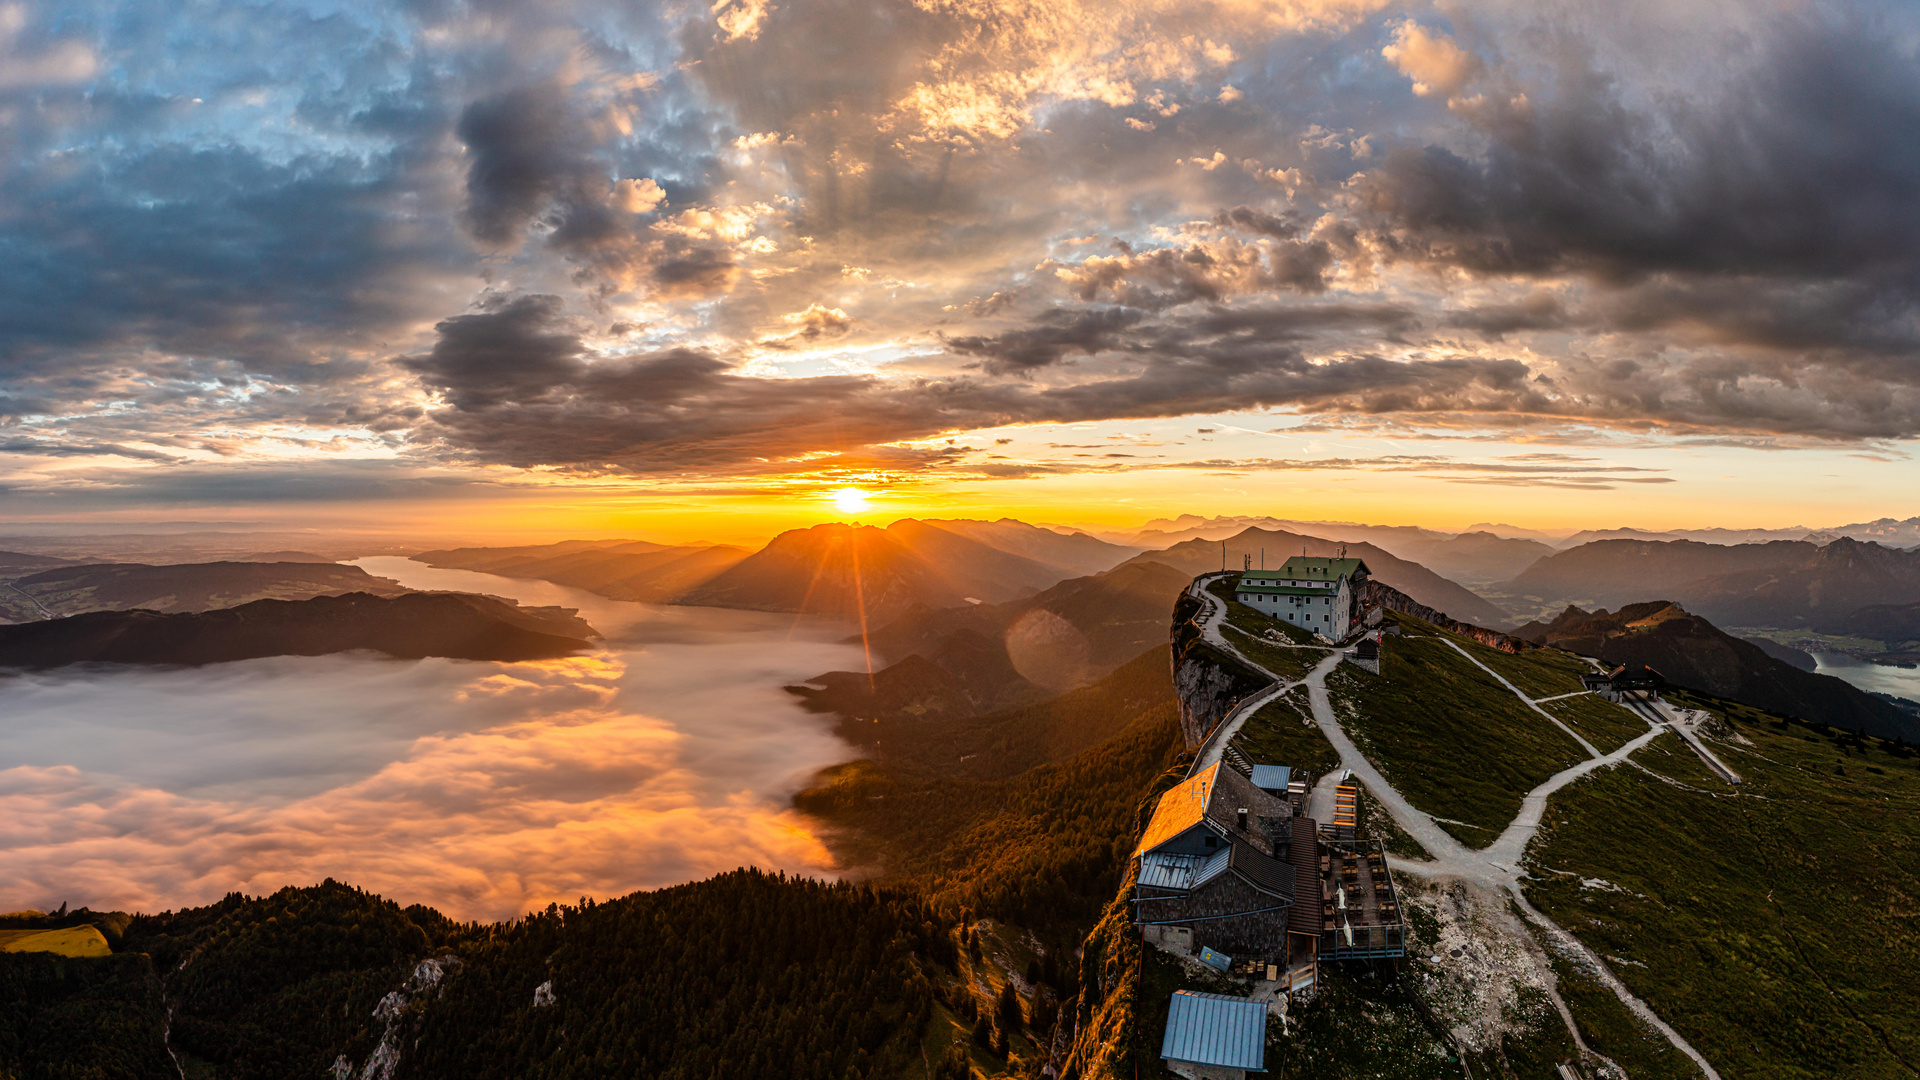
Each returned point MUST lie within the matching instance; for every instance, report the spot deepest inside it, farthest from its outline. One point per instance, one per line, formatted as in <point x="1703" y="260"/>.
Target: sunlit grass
<point x="68" y="941"/>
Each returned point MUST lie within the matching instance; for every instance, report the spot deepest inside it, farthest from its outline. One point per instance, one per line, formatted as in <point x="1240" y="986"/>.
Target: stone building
<point x="1227" y="866"/>
<point x="1312" y="592"/>
<point x="1214" y="869"/>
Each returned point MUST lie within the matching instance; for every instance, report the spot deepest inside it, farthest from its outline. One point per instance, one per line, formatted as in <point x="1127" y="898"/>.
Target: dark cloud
<point x="1538" y="310"/>
<point x="693" y="270"/>
<point x="1060" y="333"/>
<point x="511" y="352"/>
<point x="525" y="153"/>
<point x="1796" y="166"/>
<point x="1284" y="226"/>
<point x="49" y="448"/>
<point x="520" y="387"/>
<point x="1211" y="269"/>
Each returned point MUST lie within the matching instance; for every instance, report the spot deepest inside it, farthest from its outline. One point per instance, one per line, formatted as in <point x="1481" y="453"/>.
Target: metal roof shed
<point x="1217" y="1031"/>
<point x="1272" y="778"/>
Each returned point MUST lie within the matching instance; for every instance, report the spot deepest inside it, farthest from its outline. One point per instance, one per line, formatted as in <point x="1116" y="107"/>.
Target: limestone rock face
<point x="1206" y="684"/>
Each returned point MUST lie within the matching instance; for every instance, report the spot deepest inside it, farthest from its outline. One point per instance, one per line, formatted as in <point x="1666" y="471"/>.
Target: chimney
<point x="1243" y="819"/>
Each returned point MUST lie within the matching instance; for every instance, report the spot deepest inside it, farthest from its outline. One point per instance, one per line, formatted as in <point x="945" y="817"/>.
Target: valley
<point x="991" y="767"/>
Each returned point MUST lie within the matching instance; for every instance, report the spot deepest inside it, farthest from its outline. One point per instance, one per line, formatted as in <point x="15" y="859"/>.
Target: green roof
<point x="1321" y="567"/>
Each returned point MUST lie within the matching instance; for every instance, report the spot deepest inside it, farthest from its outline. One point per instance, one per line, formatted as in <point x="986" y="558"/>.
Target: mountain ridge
<point x="1689" y="651"/>
<point x="1194" y="557"/>
<point x="411" y="626"/>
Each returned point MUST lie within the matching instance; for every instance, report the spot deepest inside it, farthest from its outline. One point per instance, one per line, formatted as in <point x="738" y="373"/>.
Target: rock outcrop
<point x="1206" y="683"/>
<point x="1373" y="595"/>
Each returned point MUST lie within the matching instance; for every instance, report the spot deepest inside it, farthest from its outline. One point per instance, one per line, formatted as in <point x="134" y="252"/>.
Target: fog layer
<point x="483" y="789"/>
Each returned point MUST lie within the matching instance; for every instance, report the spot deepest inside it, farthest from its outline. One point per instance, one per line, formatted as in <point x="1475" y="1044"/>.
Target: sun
<point x="852" y="500"/>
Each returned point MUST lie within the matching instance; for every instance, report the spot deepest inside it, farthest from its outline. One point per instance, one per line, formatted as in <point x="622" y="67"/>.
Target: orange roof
<point x="1179" y="809"/>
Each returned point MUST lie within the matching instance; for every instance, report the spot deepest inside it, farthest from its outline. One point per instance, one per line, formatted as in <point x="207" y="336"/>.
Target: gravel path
<point x="1592" y="750"/>
<point x="1496" y="867"/>
<point x="1230" y="724"/>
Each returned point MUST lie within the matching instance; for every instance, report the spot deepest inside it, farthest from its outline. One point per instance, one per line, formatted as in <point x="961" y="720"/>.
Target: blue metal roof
<point x="1169" y="870"/>
<point x="1215" y="865"/>
<point x="1214" y="1029"/>
<point x="1272" y="777"/>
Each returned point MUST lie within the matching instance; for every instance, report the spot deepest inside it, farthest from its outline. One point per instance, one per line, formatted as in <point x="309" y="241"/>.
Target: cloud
<point x="25" y="64"/>
<point x="521" y="388"/>
<point x="816" y="324"/>
<point x="484" y="789"/>
<point x="1212" y="268"/>
<point x="1061" y="332"/>
<point x="241" y="240"/>
<point x="1436" y="64"/>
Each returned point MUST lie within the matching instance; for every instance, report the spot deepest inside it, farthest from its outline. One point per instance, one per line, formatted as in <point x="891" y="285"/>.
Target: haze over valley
<point x="917" y="540"/>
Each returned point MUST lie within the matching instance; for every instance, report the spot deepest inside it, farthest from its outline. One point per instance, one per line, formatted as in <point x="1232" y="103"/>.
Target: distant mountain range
<point x="1193" y="557"/>
<point x="842" y="571"/>
<point x="959" y="615"/>
<point x="185" y="587"/>
<point x="1891" y="532"/>
<point x="1689" y="651"/>
<point x="877" y="575"/>
<point x="1431" y="547"/>
<point x="619" y="569"/>
<point x="1479" y="556"/>
<point x="458" y="625"/>
<point x="1784" y="584"/>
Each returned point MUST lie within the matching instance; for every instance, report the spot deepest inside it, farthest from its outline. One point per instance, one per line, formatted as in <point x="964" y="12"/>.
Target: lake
<point x="484" y="789"/>
<point x="1877" y="678"/>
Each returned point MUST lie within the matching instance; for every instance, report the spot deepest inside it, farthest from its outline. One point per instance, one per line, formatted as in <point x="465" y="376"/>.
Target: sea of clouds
<point x="482" y="789"/>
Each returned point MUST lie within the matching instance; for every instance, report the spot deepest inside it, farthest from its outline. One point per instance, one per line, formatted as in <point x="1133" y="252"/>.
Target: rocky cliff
<point x="1207" y="683"/>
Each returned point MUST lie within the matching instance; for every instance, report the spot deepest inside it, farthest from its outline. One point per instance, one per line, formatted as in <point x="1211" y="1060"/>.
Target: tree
<point x="1007" y="1008"/>
<point x="954" y="1065"/>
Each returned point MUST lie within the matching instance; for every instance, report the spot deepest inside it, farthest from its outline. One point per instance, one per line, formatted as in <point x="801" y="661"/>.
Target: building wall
<point x="1330" y="614"/>
<point x="1262" y="935"/>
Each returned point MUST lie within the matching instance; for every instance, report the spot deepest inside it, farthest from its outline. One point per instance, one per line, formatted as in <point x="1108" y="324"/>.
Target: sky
<point x="564" y="267"/>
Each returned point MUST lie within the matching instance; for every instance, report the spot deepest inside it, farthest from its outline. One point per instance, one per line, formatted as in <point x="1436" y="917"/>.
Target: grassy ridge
<point x="1537" y="672"/>
<point x="1282" y="732"/>
<point x="1601" y="722"/>
<point x="1611" y="1029"/>
<point x="1287" y="662"/>
<point x="69" y="941"/>
<point x="1452" y="739"/>
<point x="1772" y="925"/>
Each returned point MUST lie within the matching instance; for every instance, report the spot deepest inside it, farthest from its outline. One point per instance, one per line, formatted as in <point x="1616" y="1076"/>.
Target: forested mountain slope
<point x="462" y="626"/>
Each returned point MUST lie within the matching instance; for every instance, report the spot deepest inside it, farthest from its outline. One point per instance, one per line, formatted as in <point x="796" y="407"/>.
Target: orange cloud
<point x="535" y="783"/>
